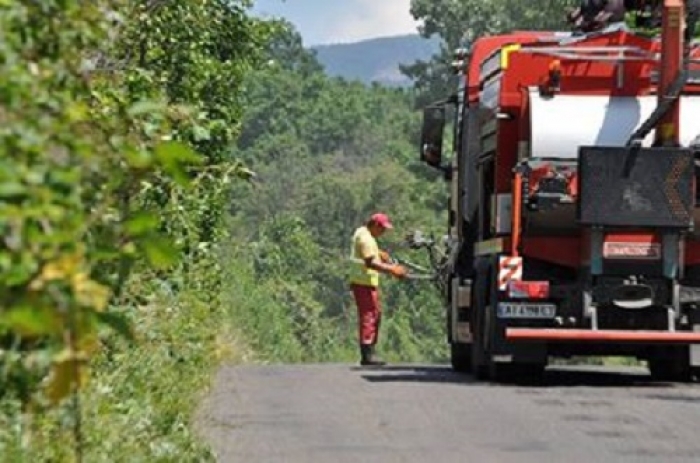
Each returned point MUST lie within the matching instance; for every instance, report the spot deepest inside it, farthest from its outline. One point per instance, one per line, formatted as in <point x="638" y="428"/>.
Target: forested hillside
<point x="327" y="153"/>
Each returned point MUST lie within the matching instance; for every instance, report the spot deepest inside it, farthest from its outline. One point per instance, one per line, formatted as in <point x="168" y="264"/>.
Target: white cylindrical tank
<point x="562" y="123"/>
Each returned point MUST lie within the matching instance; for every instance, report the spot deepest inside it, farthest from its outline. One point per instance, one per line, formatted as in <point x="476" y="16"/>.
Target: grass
<point x="141" y="399"/>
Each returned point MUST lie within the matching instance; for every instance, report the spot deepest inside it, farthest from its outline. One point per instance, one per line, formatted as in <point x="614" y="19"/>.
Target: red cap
<point x="382" y="220"/>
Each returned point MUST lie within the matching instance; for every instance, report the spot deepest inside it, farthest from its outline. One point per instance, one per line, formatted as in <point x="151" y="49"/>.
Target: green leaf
<point x="146" y="107"/>
<point x="139" y="159"/>
<point x="201" y="133"/>
<point x="141" y="222"/>
<point x="77" y="112"/>
<point x="105" y="254"/>
<point x="67" y="178"/>
<point x="31" y="321"/>
<point x="173" y="156"/>
<point x="12" y="189"/>
<point x="20" y="272"/>
<point x="118" y="322"/>
<point x="173" y="151"/>
<point x="160" y="251"/>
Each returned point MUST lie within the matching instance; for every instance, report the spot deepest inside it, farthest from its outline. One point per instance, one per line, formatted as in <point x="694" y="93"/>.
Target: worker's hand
<point x="384" y="256"/>
<point x="399" y="271"/>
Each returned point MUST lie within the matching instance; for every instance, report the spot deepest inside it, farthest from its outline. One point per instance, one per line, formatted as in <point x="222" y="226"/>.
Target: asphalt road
<point x="342" y="413"/>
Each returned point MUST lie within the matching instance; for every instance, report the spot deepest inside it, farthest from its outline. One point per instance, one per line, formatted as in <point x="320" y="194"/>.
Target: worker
<point x="368" y="261"/>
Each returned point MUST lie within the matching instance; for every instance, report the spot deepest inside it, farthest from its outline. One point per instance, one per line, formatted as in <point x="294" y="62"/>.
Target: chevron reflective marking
<point x="671" y="191"/>
<point x="509" y="268"/>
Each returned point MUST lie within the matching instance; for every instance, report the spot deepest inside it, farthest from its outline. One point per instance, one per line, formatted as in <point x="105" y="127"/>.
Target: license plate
<point x="614" y="250"/>
<point x="526" y="310"/>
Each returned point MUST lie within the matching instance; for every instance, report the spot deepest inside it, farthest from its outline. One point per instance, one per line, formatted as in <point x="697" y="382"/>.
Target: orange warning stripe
<point x="578" y="335"/>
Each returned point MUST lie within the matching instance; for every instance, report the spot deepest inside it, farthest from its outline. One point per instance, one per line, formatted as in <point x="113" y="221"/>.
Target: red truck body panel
<point x="527" y="68"/>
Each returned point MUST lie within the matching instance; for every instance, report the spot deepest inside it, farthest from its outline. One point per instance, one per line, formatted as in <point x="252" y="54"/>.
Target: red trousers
<point x="369" y="313"/>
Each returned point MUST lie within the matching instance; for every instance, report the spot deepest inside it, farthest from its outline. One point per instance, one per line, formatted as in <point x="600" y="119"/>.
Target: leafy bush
<point x="117" y="122"/>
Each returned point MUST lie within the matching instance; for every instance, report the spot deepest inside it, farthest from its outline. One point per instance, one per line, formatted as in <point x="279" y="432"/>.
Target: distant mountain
<point x="375" y="60"/>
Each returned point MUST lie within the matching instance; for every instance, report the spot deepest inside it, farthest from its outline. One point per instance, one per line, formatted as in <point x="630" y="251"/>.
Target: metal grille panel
<point x="645" y="187"/>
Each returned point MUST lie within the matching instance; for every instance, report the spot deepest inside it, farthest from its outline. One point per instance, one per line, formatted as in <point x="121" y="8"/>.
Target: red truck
<point x="574" y="214"/>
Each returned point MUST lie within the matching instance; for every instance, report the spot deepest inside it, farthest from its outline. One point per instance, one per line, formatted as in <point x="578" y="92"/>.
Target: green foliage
<point x="327" y="153"/>
<point x="62" y="216"/>
<point x="464" y="20"/>
<point x="118" y="118"/>
<point x="140" y="403"/>
<point x="458" y="23"/>
<point x="286" y="50"/>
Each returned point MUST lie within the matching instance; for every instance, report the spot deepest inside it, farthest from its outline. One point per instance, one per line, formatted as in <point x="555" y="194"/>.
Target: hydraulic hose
<point x="676" y="88"/>
<point x="670" y="98"/>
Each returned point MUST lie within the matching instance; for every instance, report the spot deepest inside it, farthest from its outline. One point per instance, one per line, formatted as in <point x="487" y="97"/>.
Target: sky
<point x="341" y="21"/>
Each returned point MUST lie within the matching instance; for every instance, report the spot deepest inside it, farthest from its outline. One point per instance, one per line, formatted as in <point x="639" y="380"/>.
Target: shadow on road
<point x="683" y="398"/>
<point x="603" y="377"/>
<point x="414" y="374"/>
<point x="553" y="377"/>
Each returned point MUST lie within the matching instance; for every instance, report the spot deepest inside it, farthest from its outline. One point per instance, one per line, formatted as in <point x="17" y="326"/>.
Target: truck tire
<point x="461" y="357"/>
<point x="460" y="353"/>
<point x="499" y="372"/>
<point x="479" y="363"/>
<point x="670" y="363"/>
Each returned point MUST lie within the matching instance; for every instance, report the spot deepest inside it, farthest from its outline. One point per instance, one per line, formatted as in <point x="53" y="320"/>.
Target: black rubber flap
<point x="643" y="187"/>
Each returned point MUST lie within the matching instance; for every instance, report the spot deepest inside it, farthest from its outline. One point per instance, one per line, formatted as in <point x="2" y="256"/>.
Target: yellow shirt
<point x="364" y="246"/>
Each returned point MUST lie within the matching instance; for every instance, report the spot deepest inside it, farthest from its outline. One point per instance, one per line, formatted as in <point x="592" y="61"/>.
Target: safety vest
<point x="359" y="273"/>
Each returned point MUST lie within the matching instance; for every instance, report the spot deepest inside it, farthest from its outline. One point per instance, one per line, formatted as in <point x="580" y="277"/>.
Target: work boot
<point x="368" y="357"/>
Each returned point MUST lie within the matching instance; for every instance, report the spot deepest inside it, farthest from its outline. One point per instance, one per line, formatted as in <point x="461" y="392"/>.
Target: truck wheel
<point x="461" y="357"/>
<point x="480" y="368"/>
<point x="483" y="366"/>
<point x="478" y="352"/>
<point x="670" y="364"/>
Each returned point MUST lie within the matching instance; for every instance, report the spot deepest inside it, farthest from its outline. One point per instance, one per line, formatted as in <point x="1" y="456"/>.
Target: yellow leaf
<point x="59" y="269"/>
<point x="67" y="373"/>
<point x="77" y="112"/>
<point x="67" y="355"/>
<point x="89" y="344"/>
<point x="79" y="279"/>
<point x="51" y="271"/>
<point x="90" y="293"/>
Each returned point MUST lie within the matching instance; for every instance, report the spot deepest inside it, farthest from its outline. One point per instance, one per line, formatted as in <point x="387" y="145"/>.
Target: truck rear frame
<point x="572" y="242"/>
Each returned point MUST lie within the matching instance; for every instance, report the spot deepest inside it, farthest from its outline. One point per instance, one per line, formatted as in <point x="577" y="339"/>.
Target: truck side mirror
<point x="431" y="135"/>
